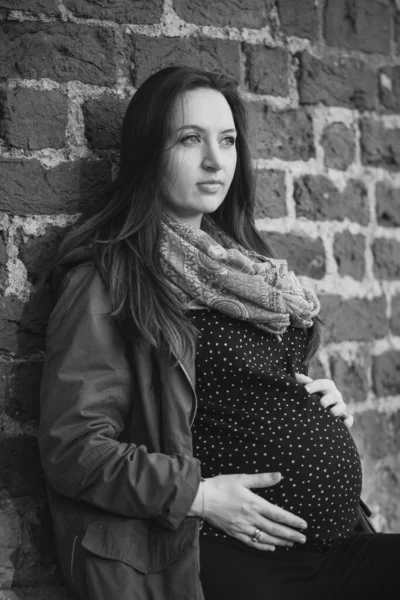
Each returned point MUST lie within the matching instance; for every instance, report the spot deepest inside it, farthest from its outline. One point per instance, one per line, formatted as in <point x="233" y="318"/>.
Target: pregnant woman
<point x="187" y="453"/>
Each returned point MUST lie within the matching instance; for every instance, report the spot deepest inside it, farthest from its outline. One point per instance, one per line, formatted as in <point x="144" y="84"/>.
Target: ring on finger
<point x="256" y="535"/>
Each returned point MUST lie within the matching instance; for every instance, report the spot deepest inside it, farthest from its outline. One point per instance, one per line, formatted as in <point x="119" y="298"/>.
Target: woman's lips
<point x="210" y="187"/>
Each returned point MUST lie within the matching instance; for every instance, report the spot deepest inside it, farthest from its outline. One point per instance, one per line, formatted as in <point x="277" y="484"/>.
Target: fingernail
<point x="302" y="539"/>
<point x="303" y="525"/>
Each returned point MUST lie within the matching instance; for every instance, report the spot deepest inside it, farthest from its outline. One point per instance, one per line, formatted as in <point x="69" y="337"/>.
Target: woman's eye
<point x="229" y="141"/>
<point x="190" y="139"/>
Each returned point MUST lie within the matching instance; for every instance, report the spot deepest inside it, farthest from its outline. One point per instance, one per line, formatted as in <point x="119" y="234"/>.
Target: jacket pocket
<point x="144" y="545"/>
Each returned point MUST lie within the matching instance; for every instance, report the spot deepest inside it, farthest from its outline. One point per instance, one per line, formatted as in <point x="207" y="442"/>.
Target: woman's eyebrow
<point x="198" y="128"/>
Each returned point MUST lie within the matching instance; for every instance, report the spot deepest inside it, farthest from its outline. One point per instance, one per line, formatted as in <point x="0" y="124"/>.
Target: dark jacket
<point x="116" y="448"/>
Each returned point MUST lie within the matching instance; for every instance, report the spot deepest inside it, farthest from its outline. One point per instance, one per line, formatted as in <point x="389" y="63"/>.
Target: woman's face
<point x="200" y="156"/>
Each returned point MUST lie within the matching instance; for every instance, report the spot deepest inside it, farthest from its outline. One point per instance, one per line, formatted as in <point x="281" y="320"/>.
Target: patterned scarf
<point x="205" y="267"/>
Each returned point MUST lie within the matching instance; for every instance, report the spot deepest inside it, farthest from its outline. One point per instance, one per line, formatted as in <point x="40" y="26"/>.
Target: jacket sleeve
<point x="87" y="391"/>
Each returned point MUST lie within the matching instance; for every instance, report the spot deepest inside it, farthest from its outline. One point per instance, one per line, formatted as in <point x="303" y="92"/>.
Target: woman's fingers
<point x="301" y="378"/>
<point x="280" y="520"/>
<point x="330" y="396"/>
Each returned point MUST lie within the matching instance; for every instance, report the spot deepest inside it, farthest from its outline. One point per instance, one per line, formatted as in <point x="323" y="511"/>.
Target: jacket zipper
<point x="193" y="390"/>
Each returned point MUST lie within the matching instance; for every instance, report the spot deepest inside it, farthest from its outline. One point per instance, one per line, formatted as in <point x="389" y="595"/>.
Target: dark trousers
<point x="366" y="565"/>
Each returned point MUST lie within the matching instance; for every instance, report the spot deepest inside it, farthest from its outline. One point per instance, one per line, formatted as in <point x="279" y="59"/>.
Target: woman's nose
<point x="212" y="158"/>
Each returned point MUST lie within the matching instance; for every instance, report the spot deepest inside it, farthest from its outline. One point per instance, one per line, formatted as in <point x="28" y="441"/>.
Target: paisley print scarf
<point x="206" y="268"/>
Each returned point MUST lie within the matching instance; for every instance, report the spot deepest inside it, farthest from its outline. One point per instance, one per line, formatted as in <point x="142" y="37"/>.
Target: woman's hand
<point x="230" y="505"/>
<point x="330" y="396"/>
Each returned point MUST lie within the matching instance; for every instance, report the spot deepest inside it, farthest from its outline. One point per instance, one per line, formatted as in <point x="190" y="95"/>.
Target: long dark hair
<point x="125" y="229"/>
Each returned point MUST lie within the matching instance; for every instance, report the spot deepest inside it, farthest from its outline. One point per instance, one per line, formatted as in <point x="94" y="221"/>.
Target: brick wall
<point x="322" y="83"/>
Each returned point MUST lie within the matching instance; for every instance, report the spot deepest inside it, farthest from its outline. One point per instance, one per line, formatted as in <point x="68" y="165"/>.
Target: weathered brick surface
<point x="386" y="373"/>
<point x="349" y="252"/>
<point x="338" y="143"/>
<point x="287" y="135"/>
<point x="267" y="70"/>
<point x="47" y="7"/>
<point x="28" y="188"/>
<point x="270" y="194"/>
<point x="316" y="197"/>
<point x="21" y="329"/>
<point x="358" y="25"/>
<point x="21" y="399"/>
<point x="395" y="318"/>
<point x="380" y="146"/>
<point x="389" y="88"/>
<point x="397" y="30"/>
<point x="386" y="258"/>
<point x="372" y="432"/>
<point x="299" y="18"/>
<point x="220" y="13"/>
<point x="21" y="472"/>
<point x="62" y="52"/>
<point x="355" y="319"/>
<point x="151" y="54"/>
<point x="387" y="205"/>
<point x="41" y="592"/>
<point x="350" y="378"/>
<point x="45" y="112"/>
<point x="3" y="261"/>
<point x="337" y="82"/>
<point x="10" y="539"/>
<point x="103" y="121"/>
<point x="37" y="253"/>
<point x="305" y="255"/>
<point x="316" y="369"/>
<point x="119" y="11"/>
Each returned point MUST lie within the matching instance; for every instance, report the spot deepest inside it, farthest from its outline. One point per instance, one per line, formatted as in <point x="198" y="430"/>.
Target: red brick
<point x="386" y="258"/>
<point x="397" y="31"/>
<point x="354" y="320"/>
<point x="389" y="88"/>
<point x="395" y="318"/>
<point x="20" y="465"/>
<point x="372" y="432"/>
<point x="387" y="205"/>
<point x="119" y="11"/>
<point x="28" y="188"/>
<point x="270" y="194"/>
<point x="336" y="82"/>
<point x="305" y="255"/>
<point x="103" y="121"/>
<point x="339" y="146"/>
<point x="317" y="198"/>
<point x="349" y="251"/>
<point x="24" y="390"/>
<point x="31" y="119"/>
<point x="22" y="329"/>
<point x="358" y="25"/>
<point x="38" y="252"/>
<point x="224" y="13"/>
<point x="47" y="7"/>
<point x="62" y="52"/>
<point x="11" y="310"/>
<point x="316" y="369"/>
<point x="3" y="261"/>
<point x="299" y="18"/>
<point x="287" y="135"/>
<point x="386" y="373"/>
<point x="267" y="70"/>
<point x="351" y="378"/>
<point x="380" y="147"/>
<point x="151" y="54"/>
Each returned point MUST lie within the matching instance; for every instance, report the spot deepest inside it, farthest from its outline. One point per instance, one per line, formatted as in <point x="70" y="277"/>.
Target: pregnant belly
<point x="321" y="470"/>
<point x="313" y="450"/>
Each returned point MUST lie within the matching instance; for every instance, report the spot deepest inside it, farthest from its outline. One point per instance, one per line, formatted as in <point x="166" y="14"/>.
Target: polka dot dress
<point x="254" y="417"/>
